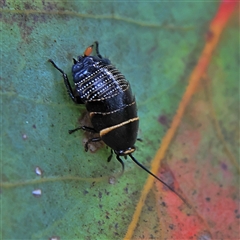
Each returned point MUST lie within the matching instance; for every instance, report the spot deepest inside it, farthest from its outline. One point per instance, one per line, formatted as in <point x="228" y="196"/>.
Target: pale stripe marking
<point x="106" y="113"/>
<point x="107" y="130"/>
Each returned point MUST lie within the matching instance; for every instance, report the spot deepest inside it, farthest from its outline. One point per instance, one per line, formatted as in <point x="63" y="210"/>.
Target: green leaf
<point x="155" y="45"/>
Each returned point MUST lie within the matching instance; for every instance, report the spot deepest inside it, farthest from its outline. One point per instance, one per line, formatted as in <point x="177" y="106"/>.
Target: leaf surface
<point x="156" y="46"/>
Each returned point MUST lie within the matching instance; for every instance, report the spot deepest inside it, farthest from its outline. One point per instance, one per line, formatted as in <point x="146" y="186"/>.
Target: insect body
<point x="108" y="98"/>
<point x="109" y="101"/>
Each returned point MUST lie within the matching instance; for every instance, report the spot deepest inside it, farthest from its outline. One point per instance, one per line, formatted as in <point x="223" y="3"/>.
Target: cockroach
<point x="110" y="103"/>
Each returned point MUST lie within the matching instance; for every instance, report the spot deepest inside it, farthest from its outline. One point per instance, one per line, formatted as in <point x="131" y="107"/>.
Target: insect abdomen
<point x="115" y="118"/>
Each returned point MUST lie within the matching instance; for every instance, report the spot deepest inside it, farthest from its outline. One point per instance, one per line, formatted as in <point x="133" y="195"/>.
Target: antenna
<point x="140" y="165"/>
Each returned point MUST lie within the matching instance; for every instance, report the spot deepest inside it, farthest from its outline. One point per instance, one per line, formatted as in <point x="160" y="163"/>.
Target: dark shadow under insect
<point x="110" y="103"/>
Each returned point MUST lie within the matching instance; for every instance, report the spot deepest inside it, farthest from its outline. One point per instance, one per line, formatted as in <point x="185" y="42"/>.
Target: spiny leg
<point x="140" y="165"/>
<point x="75" y="99"/>
<point x="85" y="128"/>
<point x="88" y="129"/>
<point x="97" y="139"/>
<point x="110" y="157"/>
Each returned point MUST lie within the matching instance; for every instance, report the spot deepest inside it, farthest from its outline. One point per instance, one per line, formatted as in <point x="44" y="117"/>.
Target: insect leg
<point x="110" y="157"/>
<point x="91" y="140"/>
<point x="75" y="61"/>
<point x="120" y="160"/>
<point x="75" y="99"/>
<point x="85" y="128"/>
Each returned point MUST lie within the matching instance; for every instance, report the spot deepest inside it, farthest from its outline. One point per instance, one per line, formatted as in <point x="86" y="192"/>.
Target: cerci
<point x="108" y="98"/>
